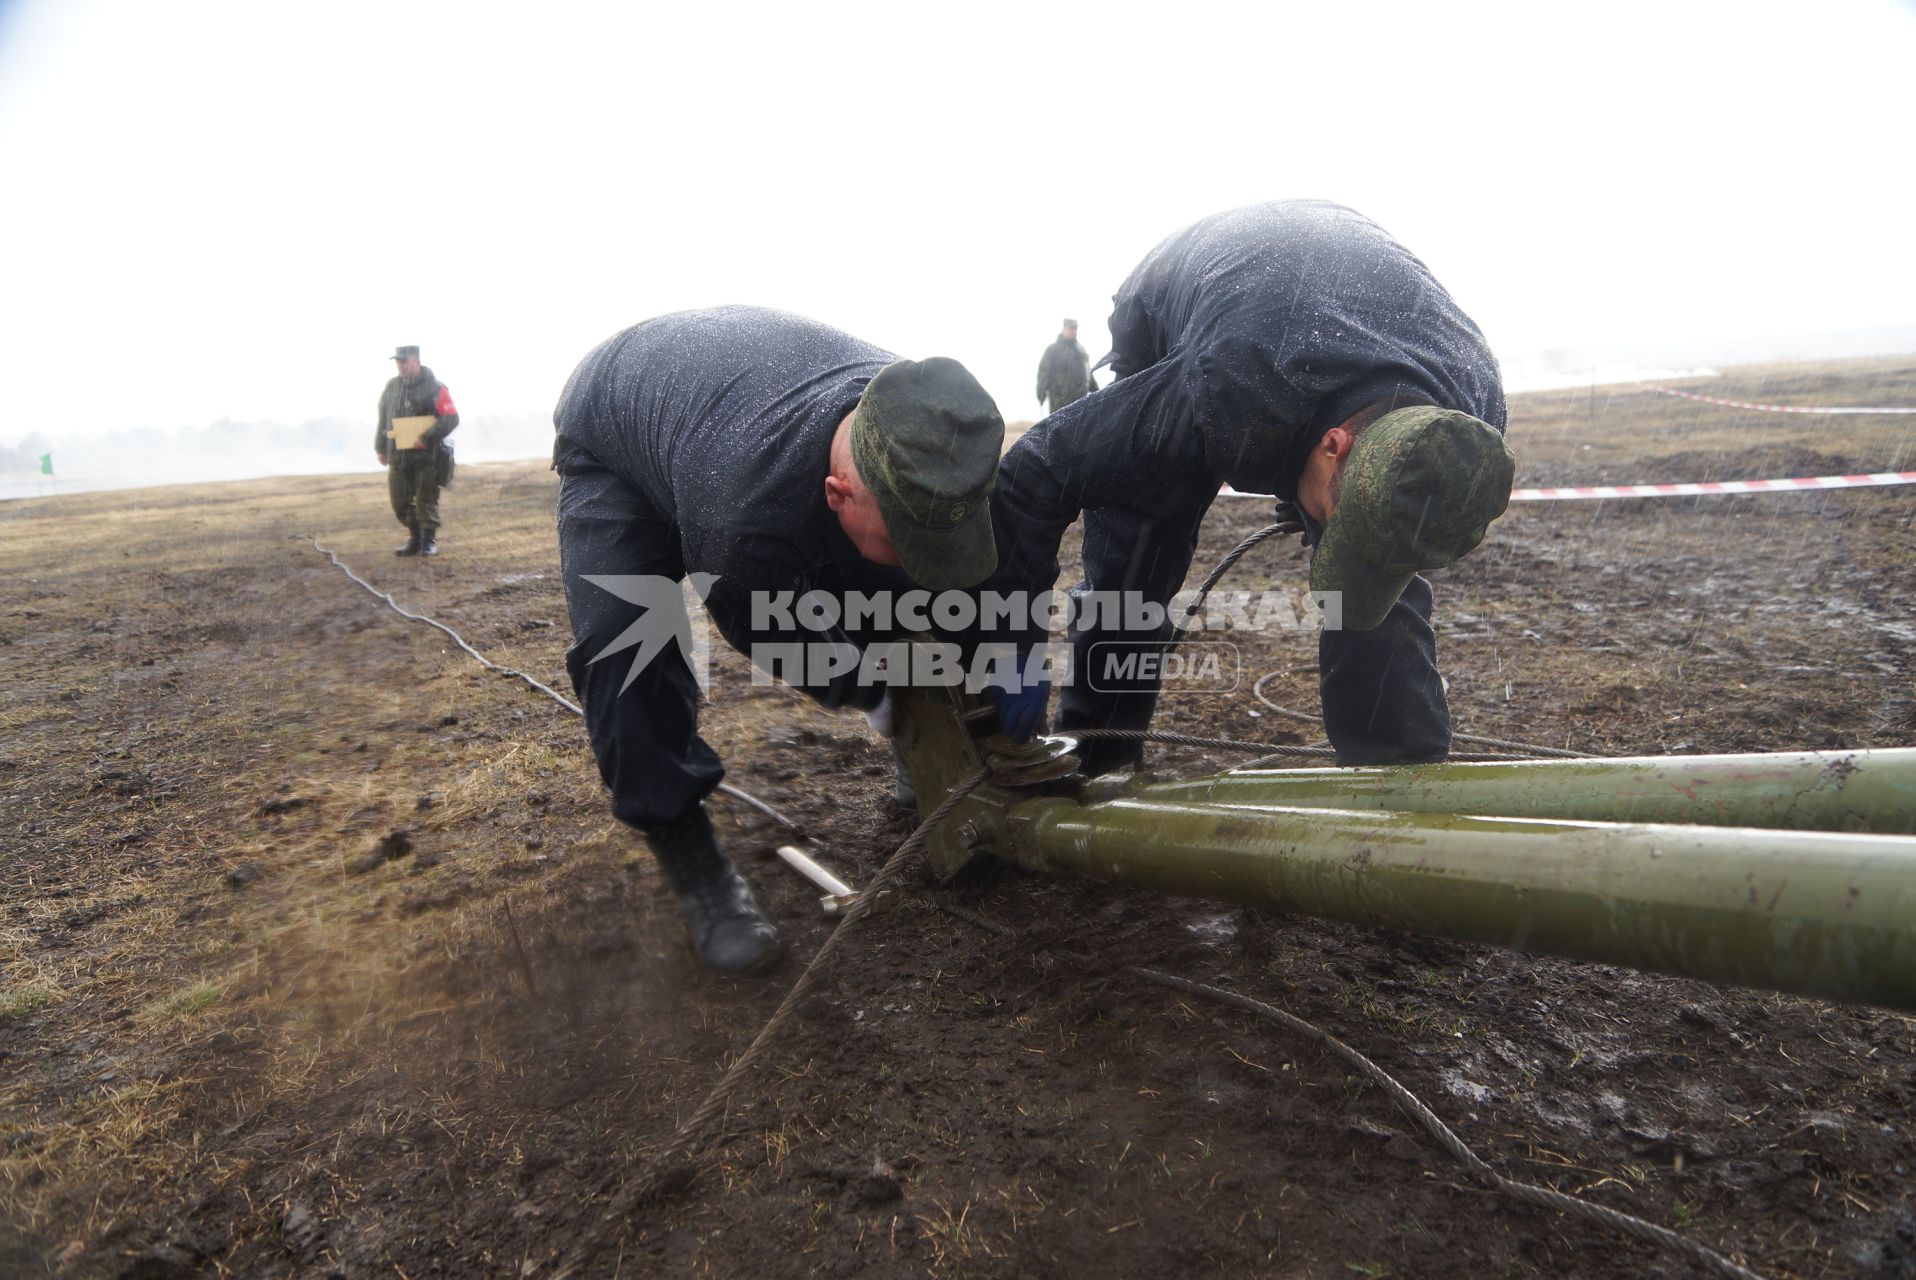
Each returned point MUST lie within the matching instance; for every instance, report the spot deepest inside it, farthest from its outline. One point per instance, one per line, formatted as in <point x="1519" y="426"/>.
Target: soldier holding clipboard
<point x="416" y="414"/>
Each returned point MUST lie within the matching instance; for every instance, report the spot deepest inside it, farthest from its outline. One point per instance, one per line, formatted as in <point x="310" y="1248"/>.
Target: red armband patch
<point x="443" y="405"/>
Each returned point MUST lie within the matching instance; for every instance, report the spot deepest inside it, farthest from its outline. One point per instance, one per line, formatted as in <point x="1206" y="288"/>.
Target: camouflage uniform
<point x="1064" y="375"/>
<point x="413" y="475"/>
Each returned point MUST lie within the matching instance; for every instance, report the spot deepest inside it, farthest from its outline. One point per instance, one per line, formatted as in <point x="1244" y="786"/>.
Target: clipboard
<point x="405" y="432"/>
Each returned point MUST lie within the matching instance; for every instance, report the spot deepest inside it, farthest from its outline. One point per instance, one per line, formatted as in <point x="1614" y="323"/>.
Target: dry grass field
<point x="321" y="956"/>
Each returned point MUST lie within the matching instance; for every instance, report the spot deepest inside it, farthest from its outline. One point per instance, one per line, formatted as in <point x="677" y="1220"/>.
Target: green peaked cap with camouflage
<point x="1418" y="491"/>
<point x="926" y="439"/>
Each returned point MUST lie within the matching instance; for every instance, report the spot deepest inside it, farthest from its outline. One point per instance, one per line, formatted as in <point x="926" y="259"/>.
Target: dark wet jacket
<point x="1239" y="341"/>
<point x="723" y="421"/>
<point x="403" y="399"/>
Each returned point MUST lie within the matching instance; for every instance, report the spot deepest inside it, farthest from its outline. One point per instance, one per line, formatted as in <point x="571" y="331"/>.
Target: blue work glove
<point x="1022" y="713"/>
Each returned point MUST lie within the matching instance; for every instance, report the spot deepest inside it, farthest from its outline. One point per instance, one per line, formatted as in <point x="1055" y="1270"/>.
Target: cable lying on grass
<point x="727" y="788"/>
<point x="1529" y="1193"/>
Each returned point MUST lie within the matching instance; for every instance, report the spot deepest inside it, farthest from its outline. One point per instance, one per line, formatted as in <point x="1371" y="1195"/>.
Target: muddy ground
<point x="320" y="956"/>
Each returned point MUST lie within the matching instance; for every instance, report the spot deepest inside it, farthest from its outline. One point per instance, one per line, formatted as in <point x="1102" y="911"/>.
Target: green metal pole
<point x="1814" y="913"/>
<point x="1802" y="790"/>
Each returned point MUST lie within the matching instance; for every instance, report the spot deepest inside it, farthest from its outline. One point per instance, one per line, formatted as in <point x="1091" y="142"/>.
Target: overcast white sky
<point x="236" y="210"/>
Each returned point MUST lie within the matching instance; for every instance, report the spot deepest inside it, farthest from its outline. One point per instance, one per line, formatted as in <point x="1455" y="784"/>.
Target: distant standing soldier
<point x="415" y="470"/>
<point x="1064" y="375"/>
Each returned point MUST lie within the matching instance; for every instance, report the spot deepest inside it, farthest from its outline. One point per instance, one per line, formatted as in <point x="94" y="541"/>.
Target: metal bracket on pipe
<point x="941" y="741"/>
<point x="947" y="735"/>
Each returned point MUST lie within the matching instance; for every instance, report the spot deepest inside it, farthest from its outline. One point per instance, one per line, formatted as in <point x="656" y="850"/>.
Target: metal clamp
<point x="1028" y="764"/>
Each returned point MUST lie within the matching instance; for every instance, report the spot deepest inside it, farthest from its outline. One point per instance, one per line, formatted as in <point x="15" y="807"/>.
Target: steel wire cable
<point x="1273" y="750"/>
<point x="1530" y="749"/>
<point x="1224" y="566"/>
<point x="659" y="1168"/>
<point x="1287" y="524"/>
<point x="1412" y="1105"/>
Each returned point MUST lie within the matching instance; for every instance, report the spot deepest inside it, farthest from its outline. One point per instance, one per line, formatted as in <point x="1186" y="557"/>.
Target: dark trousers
<point x="1126" y="549"/>
<point x="1383" y="699"/>
<point x="412" y="484"/>
<point x="645" y="736"/>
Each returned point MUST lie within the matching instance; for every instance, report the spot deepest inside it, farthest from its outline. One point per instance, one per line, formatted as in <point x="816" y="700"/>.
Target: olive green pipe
<point x="1831" y="915"/>
<point x="1801" y="790"/>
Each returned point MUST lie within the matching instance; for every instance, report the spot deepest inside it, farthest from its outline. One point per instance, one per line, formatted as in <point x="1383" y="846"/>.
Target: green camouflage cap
<point x="926" y="439"/>
<point x="1419" y="489"/>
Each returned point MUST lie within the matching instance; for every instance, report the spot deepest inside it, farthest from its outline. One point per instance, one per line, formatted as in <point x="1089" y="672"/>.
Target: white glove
<point x="883" y="718"/>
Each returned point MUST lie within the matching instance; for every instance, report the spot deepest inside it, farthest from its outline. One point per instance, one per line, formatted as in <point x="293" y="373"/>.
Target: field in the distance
<point x="232" y="1042"/>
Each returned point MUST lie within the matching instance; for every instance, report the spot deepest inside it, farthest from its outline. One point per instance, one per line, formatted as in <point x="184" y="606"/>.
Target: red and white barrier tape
<point x="1794" y="484"/>
<point x="1766" y="408"/>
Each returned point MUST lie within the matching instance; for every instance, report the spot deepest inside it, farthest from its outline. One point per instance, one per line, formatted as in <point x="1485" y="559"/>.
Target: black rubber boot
<point x="729" y="932"/>
<point x="904" y="793"/>
<point x="412" y="544"/>
<point x="428" y="540"/>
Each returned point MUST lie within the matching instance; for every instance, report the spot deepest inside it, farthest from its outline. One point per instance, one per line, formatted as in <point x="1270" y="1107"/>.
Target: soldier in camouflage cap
<point x="1291" y="348"/>
<point x="1415" y="489"/>
<point x="418" y="468"/>
<point x="925" y="440"/>
<point x="763" y="457"/>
